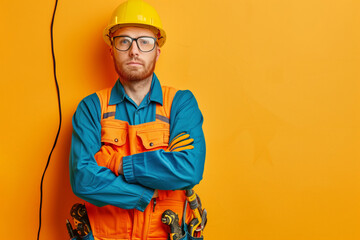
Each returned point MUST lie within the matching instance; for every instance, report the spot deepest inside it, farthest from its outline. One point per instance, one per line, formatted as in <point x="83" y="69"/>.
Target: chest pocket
<point x="132" y="139"/>
<point x="153" y="139"/>
<point x="114" y="132"/>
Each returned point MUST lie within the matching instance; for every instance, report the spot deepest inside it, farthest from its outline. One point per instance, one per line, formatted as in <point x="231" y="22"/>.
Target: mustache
<point x="135" y="59"/>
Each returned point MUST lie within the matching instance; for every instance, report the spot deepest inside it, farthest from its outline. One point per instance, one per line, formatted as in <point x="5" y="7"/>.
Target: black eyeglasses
<point x="123" y="43"/>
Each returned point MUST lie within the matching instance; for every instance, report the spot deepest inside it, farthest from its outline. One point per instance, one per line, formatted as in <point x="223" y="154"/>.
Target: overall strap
<point x="107" y="111"/>
<point x="163" y="112"/>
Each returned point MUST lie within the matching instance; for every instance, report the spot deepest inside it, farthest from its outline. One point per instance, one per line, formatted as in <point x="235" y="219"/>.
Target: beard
<point x="135" y="74"/>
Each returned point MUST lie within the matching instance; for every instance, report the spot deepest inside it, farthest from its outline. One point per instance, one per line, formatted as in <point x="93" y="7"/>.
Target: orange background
<point x="277" y="82"/>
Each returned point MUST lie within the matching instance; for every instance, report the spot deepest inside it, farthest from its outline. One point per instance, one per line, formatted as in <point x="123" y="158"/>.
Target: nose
<point x="134" y="50"/>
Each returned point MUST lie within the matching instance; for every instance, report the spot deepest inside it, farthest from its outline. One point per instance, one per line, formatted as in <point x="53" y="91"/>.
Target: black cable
<point x="60" y="117"/>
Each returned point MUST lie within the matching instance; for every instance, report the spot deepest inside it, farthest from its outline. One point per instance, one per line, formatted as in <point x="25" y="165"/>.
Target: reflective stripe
<point x="109" y="114"/>
<point x="162" y="118"/>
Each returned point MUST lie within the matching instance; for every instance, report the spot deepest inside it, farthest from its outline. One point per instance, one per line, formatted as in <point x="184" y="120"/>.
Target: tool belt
<point x="195" y="228"/>
<point x="81" y="221"/>
<point x="87" y="237"/>
<point x="191" y="231"/>
<point x="185" y="228"/>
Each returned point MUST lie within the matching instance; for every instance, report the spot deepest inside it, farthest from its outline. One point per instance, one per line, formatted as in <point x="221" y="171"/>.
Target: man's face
<point x="133" y="64"/>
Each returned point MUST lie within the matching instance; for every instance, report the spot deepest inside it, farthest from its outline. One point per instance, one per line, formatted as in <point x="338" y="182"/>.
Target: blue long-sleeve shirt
<point x="167" y="171"/>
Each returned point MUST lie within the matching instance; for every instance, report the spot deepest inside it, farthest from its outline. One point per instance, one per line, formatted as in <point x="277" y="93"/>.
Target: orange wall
<point x="277" y="82"/>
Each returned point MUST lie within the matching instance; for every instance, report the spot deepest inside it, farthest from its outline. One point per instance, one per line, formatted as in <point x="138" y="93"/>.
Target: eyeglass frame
<point x="132" y="40"/>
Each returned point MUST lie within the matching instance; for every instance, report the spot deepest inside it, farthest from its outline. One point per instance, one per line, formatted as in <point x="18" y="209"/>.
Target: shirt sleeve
<point x="172" y="170"/>
<point x="91" y="182"/>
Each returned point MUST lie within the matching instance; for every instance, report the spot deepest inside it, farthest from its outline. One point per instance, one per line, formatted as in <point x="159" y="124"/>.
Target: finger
<point x="182" y="143"/>
<point x="178" y="149"/>
<point x="178" y="138"/>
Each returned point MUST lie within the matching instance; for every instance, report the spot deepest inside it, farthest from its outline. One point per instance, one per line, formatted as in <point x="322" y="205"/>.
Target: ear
<point x="111" y="50"/>
<point x="158" y="51"/>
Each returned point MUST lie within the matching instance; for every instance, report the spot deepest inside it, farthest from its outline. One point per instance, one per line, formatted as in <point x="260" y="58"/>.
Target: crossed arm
<point x="133" y="181"/>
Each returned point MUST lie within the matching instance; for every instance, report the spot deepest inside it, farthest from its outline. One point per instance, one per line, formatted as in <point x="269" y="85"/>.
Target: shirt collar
<point x="118" y="92"/>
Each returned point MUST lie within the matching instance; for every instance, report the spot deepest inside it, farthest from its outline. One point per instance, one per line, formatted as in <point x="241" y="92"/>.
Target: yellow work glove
<point x="180" y="142"/>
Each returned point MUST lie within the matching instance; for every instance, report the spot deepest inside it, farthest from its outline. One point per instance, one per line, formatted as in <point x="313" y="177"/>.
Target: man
<point x="138" y="145"/>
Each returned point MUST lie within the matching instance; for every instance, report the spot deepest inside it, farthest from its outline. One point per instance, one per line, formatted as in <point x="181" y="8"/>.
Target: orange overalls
<point x="113" y="223"/>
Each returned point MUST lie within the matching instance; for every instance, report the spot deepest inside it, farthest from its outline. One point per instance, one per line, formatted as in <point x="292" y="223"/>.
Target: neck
<point x="137" y="90"/>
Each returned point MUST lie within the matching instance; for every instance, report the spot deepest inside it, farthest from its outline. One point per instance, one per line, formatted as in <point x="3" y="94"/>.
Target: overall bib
<point x="113" y="223"/>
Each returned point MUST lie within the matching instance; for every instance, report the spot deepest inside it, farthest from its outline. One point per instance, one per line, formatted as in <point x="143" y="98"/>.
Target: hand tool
<point x="70" y="229"/>
<point x="197" y="224"/>
<point x="170" y="218"/>
<point x="79" y="214"/>
<point x="203" y="219"/>
<point x="195" y="207"/>
<point x="193" y="224"/>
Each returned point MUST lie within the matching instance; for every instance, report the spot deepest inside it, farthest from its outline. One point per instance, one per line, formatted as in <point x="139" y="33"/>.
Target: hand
<point x="156" y="194"/>
<point x="121" y="170"/>
<point x="181" y="142"/>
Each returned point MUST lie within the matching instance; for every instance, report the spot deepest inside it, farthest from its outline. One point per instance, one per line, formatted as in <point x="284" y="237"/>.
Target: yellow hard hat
<point x="135" y="13"/>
